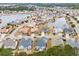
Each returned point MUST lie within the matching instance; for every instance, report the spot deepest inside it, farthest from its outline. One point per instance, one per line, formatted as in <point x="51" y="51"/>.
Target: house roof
<point x="57" y="41"/>
<point x="72" y="42"/>
<point x="25" y="43"/>
<point x="9" y="43"/>
<point x="24" y="30"/>
<point x="3" y="30"/>
<point x="40" y="42"/>
<point x="68" y="30"/>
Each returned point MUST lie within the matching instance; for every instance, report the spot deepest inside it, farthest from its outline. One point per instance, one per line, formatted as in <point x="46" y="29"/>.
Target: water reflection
<point x="59" y="23"/>
<point x="11" y="18"/>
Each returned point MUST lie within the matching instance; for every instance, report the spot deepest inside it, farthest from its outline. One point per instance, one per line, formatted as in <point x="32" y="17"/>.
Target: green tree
<point x="53" y="19"/>
<point x="42" y="53"/>
<point x="5" y="52"/>
<point x="78" y="21"/>
<point x="57" y="51"/>
<point x="22" y="54"/>
<point x="69" y="51"/>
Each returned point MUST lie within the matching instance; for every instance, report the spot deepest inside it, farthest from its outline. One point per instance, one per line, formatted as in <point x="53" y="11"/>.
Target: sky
<point x="39" y="1"/>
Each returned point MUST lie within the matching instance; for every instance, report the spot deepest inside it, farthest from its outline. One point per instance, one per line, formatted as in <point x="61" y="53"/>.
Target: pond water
<point x="59" y="23"/>
<point x="11" y="18"/>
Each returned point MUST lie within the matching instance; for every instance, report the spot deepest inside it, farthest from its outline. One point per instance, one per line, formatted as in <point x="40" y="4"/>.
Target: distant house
<point x="57" y="30"/>
<point x="4" y="30"/>
<point x="68" y="30"/>
<point x="34" y="30"/>
<point x="25" y="30"/>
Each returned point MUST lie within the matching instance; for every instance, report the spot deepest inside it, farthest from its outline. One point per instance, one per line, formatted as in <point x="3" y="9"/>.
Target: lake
<point x="11" y="18"/>
<point x="59" y="23"/>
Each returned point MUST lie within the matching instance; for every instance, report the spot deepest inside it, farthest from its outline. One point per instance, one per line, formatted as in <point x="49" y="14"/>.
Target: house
<point x="2" y="36"/>
<point x="72" y="42"/>
<point x="4" y="30"/>
<point x="10" y="43"/>
<point x="25" y="43"/>
<point x="1" y="44"/>
<point x="34" y="29"/>
<point x="68" y="30"/>
<point x="57" y="30"/>
<point x="25" y="30"/>
<point x="57" y="41"/>
<point x="40" y="44"/>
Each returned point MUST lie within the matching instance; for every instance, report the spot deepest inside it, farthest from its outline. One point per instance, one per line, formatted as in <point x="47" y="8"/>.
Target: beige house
<point x="4" y="30"/>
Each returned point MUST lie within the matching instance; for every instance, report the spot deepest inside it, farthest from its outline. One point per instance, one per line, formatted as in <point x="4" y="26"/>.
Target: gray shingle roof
<point x="9" y="43"/>
<point x="40" y="43"/>
<point x="25" y="43"/>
